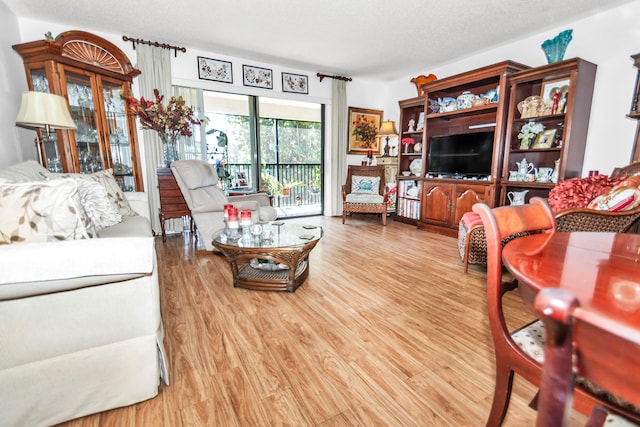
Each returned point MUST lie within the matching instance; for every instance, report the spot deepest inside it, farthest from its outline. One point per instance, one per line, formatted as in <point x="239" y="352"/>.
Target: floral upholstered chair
<point x="365" y="191"/>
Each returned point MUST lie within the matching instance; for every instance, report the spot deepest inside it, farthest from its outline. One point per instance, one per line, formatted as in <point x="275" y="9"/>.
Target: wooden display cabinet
<point x="570" y="122"/>
<point x="172" y="203"/>
<point x="444" y="199"/>
<point x="90" y="72"/>
<point x="407" y="206"/>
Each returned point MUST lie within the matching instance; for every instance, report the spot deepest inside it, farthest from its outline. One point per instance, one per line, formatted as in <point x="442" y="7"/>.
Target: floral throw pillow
<point x="40" y="212"/>
<point x="107" y="180"/>
<point x="96" y="204"/>
<point x="365" y="184"/>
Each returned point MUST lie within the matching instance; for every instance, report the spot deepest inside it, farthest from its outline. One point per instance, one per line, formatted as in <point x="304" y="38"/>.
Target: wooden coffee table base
<point x="247" y="277"/>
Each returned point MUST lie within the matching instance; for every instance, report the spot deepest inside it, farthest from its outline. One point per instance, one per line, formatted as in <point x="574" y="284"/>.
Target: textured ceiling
<point x="377" y="39"/>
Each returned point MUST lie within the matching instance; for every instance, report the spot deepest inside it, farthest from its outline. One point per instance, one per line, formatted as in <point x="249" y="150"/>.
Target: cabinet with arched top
<point x="90" y="72"/>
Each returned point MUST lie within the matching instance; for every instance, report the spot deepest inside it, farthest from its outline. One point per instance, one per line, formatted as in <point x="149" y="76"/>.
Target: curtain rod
<point x="322" y="76"/>
<point x="156" y="44"/>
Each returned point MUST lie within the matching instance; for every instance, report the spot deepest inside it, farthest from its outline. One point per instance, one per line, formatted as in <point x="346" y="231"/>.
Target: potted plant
<point x="315" y="185"/>
<point x="288" y="185"/>
<point x="272" y="183"/>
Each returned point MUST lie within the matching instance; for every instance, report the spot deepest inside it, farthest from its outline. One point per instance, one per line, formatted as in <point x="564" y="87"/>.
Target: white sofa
<point x="80" y="324"/>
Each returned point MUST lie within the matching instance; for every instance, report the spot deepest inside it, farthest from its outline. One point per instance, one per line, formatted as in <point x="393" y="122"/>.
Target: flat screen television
<point x="466" y="154"/>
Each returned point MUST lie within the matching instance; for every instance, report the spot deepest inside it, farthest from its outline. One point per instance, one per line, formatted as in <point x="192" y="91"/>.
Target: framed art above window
<point x="257" y="77"/>
<point x="215" y="69"/>
<point x="295" y="83"/>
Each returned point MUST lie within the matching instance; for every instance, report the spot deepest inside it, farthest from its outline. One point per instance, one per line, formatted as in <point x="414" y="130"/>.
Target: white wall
<point x="607" y="39"/>
<point x="16" y="144"/>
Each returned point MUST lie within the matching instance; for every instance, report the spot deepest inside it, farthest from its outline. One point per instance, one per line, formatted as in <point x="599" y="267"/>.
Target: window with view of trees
<point x="284" y="156"/>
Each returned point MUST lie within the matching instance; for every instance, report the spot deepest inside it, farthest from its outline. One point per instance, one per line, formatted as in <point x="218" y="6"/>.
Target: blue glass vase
<point x="554" y="48"/>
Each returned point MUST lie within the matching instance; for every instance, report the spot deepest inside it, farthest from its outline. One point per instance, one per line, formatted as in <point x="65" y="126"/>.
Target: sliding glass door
<point x="267" y="144"/>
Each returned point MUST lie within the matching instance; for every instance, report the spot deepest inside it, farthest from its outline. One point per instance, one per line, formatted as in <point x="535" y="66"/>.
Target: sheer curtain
<point x="155" y="64"/>
<point x="339" y="129"/>
<point x="195" y="146"/>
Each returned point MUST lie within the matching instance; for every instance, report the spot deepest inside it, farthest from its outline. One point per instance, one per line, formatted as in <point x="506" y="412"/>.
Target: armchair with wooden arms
<point x="365" y="191"/>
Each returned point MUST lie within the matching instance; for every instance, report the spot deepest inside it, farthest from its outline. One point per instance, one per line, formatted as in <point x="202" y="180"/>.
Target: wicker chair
<point x="472" y="242"/>
<point x="359" y="194"/>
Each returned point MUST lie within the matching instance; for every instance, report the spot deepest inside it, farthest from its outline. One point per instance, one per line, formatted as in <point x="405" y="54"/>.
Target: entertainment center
<point x="463" y="152"/>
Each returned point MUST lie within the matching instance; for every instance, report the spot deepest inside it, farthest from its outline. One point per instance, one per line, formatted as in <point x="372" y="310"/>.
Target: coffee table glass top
<point x="276" y="234"/>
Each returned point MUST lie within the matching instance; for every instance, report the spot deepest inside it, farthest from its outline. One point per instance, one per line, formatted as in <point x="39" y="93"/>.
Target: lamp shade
<point x="44" y="110"/>
<point x="388" y="128"/>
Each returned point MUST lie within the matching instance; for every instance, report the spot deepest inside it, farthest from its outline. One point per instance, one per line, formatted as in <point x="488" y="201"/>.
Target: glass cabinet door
<point x="119" y="144"/>
<point x="83" y="112"/>
<point x="51" y="155"/>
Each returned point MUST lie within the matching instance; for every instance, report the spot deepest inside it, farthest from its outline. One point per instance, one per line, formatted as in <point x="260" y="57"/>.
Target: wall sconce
<point x="387" y="129"/>
<point x="45" y="111"/>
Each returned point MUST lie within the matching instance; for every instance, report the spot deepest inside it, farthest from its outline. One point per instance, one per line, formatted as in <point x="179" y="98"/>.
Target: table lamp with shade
<point x="387" y="129"/>
<point x="45" y="111"/>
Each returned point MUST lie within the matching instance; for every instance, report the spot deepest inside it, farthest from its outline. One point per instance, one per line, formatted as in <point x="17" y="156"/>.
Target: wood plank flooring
<point x="387" y="331"/>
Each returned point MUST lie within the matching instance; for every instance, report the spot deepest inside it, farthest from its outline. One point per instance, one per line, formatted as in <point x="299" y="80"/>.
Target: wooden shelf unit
<point x="444" y="201"/>
<point x="571" y="126"/>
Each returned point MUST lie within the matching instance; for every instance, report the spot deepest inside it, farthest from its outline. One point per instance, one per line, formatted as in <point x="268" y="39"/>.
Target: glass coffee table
<point x="270" y="261"/>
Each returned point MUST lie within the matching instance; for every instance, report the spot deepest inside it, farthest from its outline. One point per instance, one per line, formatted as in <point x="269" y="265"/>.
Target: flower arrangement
<point x="170" y="121"/>
<point x="365" y="130"/>
<point x="405" y="141"/>
<point x="528" y="132"/>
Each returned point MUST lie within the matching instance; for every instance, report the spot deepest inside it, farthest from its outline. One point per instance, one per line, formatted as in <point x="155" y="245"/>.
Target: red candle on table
<point x="245" y="217"/>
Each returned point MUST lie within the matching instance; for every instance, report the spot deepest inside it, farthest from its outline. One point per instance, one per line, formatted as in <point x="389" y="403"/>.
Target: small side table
<point x="172" y="204"/>
<point x="390" y="172"/>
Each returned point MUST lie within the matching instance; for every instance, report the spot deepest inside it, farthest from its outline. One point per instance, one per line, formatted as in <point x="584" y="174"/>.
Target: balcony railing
<point x="306" y="193"/>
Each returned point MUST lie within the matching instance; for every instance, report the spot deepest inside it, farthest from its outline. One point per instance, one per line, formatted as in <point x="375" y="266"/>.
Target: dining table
<point x="601" y="269"/>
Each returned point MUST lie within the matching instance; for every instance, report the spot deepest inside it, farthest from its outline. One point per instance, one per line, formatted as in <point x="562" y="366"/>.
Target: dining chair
<point x="365" y="191"/>
<point x="520" y="351"/>
<point x="580" y="342"/>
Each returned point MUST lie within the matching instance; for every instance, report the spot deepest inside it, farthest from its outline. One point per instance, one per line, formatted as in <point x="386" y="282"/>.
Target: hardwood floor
<point x="387" y="331"/>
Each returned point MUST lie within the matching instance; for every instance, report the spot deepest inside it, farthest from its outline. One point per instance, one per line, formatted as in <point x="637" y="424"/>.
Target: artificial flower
<point x="173" y="120"/>
<point x="365" y="129"/>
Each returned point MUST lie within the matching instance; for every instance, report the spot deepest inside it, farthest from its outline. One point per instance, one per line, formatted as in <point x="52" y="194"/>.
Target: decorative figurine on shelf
<point x="412" y="126"/>
<point x="528" y="133"/>
<point x="422" y="79"/>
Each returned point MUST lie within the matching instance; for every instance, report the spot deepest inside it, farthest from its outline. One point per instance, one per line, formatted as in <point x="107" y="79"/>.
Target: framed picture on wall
<point x="215" y="69"/>
<point x="257" y="77"/>
<point x="362" y="123"/>
<point x="295" y="83"/>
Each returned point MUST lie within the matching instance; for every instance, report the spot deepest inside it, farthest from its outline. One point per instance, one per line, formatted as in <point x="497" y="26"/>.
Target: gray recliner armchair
<point x="198" y="182"/>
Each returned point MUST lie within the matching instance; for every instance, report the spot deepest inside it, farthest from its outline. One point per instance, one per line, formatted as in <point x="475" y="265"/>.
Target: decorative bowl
<point x="406" y="173"/>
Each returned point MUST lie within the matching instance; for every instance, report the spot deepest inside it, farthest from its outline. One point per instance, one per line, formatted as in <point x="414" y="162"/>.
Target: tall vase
<point x="170" y="148"/>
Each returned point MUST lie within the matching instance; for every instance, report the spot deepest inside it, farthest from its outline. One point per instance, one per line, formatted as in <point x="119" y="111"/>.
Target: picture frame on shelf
<point x="549" y="90"/>
<point x="257" y="77"/>
<point x="242" y="181"/>
<point x="372" y="117"/>
<point x="295" y="83"/>
<point x="215" y="70"/>
<point x="420" y="121"/>
<point x="544" y="139"/>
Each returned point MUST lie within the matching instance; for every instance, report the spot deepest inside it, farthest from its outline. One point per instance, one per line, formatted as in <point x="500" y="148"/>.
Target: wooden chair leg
<point x="344" y="215"/>
<point x="384" y="218"/>
<point x="501" y="397"/>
